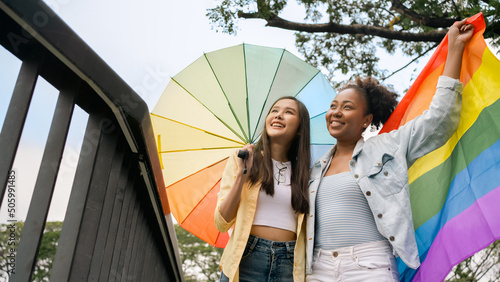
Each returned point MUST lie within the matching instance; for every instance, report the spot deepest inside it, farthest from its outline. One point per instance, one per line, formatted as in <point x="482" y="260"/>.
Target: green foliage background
<point x="46" y="253"/>
<point x="352" y="33"/>
<point x="200" y="261"/>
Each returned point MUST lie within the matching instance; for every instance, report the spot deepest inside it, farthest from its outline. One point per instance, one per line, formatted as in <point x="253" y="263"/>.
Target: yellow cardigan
<point x="243" y="221"/>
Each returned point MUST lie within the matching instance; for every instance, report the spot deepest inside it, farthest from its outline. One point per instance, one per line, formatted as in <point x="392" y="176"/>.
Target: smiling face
<point x="282" y="122"/>
<point x="346" y="119"/>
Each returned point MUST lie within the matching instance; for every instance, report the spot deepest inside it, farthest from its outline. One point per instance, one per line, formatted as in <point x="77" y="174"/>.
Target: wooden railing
<point x="115" y="227"/>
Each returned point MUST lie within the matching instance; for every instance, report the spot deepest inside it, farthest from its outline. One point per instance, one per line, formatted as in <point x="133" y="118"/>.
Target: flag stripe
<point x="472" y="183"/>
<point x="473" y="229"/>
<point x="397" y="117"/>
<point x="476" y="96"/>
<point x="400" y="116"/>
<point x="455" y="190"/>
<point x="478" y="138"/>
<point x="421" y="101"/>
<point x="483" y="172"/>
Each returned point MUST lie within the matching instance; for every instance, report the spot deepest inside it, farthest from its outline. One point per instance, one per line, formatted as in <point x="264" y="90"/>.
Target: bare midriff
<point x="272" y="233"/>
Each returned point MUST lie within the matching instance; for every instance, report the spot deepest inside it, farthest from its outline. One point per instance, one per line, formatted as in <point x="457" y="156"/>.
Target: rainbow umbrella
<point x="455" y="190"/>
<point x="218" y="104"/>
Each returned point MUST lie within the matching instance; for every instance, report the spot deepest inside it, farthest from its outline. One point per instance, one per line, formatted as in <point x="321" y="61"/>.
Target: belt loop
<point x="289" y="250"/>
<point x="351" y="249"/>
<point x="255" y="240"/>
<point x="319" y="254"/>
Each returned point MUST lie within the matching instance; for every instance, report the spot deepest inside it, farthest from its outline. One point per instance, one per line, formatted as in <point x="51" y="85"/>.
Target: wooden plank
<point x="44" y="187"/>
<point x="123" y="229"/>
<point x="107" y="209"/>
<point x="76" y="205"/>
<point x="125" y="262"/>
<point x="149" y="263"/>
<point x="138" y="248"/>
<point x="115" y="220"/>
<point x="93" y="204"/>
<point x="15" y="119"/>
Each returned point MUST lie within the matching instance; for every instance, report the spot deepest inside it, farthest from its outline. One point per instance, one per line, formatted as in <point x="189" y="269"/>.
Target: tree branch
<point x="405" y="66"/>
<point x="456" y="8"/>
<point x="275" y="21"/>
<point x="420" y="19"/>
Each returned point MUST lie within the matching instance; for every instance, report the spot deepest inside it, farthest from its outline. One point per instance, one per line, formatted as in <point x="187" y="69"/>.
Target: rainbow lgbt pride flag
<point x="455" y="190"/>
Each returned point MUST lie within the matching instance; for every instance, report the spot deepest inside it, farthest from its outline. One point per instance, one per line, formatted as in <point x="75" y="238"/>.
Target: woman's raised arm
<point x="459" y="35"/>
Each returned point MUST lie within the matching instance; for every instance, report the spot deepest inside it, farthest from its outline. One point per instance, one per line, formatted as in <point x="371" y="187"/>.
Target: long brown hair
<point x="299" y="155"/>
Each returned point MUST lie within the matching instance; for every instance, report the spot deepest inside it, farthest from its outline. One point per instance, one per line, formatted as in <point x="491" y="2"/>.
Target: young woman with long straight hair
<point x="265" y="207"/>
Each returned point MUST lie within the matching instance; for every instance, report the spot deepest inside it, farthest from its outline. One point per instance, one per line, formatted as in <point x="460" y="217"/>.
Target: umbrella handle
<point x="243" y="154"/>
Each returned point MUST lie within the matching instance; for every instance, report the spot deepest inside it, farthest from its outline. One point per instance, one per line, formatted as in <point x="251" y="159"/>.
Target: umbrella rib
<point x="204" y="196"/>
<point x="236" y="133"/>
<point x="268" y="91"/>
<point x="317" y="72"/>
<point x="307" y="83"/>
<point x="216" y="239"/>
<point x="318" y="115"/>
<point x="207" y="167"/>
<point x="159" y="150"/>
<point x="225" y="96"/>
<point x="246" y="93"/>
<point x="200" y="149"/>
<point x="207" y="132"/>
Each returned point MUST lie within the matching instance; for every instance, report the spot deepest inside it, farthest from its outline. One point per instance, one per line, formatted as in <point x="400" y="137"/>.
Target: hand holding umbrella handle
<point x="243" y="154"/>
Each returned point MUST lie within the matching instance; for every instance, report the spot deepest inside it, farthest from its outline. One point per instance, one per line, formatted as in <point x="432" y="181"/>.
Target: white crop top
<point x="276" y="211"/>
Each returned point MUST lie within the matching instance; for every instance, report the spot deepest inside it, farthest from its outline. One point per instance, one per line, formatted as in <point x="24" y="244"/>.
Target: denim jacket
<point x="380" y="167"/>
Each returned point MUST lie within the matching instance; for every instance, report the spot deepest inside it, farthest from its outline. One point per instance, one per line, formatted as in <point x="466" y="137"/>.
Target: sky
<point x="145" y="42"/>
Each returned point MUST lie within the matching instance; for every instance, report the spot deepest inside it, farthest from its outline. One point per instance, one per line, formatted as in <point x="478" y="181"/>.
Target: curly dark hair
<point x="380" y="100"/>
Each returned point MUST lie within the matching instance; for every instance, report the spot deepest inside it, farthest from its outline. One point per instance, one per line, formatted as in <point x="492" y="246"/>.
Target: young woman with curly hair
<point x="360" y="215"/>
<point x="266" y="206"/>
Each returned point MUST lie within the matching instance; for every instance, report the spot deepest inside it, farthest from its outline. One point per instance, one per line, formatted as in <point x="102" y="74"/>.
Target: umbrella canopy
<point x="217" y="104"/>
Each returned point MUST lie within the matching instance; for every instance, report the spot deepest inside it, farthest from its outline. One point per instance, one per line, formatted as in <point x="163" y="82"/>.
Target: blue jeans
<point x="265" y="260"/>
<point x="368" y="262"/>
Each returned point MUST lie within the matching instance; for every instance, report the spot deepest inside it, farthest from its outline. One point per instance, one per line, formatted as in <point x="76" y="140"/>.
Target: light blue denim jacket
<point x="380" y="167"/>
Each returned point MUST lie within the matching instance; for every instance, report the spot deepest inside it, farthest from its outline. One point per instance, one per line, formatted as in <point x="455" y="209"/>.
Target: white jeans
<point x="372" y="261"/>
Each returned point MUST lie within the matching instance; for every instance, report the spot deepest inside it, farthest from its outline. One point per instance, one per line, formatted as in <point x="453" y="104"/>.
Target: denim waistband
<point x="277" y="246"/>
<point x="377" y="246"/>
